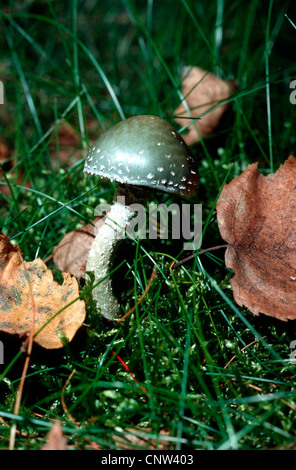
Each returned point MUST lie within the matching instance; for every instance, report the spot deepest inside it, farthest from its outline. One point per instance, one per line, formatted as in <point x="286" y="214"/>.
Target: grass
<point x="188" y="361"/>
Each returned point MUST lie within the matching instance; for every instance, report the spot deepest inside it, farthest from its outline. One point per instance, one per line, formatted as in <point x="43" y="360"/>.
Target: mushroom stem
<point x="101" y="256"/>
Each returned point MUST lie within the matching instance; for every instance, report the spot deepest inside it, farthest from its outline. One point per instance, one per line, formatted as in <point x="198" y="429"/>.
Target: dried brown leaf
<point x="64" y="146"/>
<point x="4" y="152"/>
<point x="257" y="218"/>
<point x="8" y="163"/>
<point x="28" y="291"/>
<point x="70" y="254"/>
<point x="203" y="92"/>
<point x="55" y="439"/>
<point x="4" y="155"/>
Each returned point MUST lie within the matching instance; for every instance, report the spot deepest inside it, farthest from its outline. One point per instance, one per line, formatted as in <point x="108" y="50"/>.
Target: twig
<point x="65" y="408"/>
<point x="200" y="252"/>
<point x="245" y="347"/>
<point x="176" y="264"/>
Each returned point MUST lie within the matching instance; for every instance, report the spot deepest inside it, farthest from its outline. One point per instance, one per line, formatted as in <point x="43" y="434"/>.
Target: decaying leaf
<point x="70" y="254"/>
<point x="65" y="146"/>
<point x="55" y="439"/>
<point x="28" y="291"/>
<point x="4" y="152"/>
<point x="5" y="165"/>
<point x="204" y="93"/>
<point x="257" y="218"/>
<point x="7" y="172"/>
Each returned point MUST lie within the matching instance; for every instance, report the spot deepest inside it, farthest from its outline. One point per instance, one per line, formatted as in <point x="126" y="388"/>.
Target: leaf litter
<point x="257" y="218"/>
<point x="29" y="296"/>
<point x="70" y="254"/>
<point x="207" y="97"/>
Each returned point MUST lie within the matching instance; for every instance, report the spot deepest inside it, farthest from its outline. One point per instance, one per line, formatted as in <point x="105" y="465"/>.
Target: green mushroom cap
<point x="144" y="151"/>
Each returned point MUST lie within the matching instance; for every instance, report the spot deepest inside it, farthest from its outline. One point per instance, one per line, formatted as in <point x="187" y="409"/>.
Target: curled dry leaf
<point x="203" y="92"/>
<point x="257" y="218"/>
<point x="28" y="292"/>
<point x="70" y="254"/>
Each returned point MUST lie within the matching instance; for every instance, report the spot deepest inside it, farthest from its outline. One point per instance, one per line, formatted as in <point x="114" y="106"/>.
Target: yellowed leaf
<point x="29" y="293"/>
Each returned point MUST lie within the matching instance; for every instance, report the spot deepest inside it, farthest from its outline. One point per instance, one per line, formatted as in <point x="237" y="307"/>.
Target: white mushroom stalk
<point x="139" y="152"/>
<point x="101" y="257"/>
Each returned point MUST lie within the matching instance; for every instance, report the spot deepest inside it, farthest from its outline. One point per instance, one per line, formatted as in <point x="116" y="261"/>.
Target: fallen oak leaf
<point x="257" y="217"/>
<point x="205" y="95"/>
<point x="58" y="311"/>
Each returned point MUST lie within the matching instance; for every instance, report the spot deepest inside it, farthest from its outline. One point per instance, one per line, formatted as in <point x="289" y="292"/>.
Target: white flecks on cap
<point x="128" y="162"/>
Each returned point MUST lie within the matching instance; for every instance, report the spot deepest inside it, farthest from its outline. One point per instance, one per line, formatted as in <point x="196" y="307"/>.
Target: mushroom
<point x="140" y="152"/>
